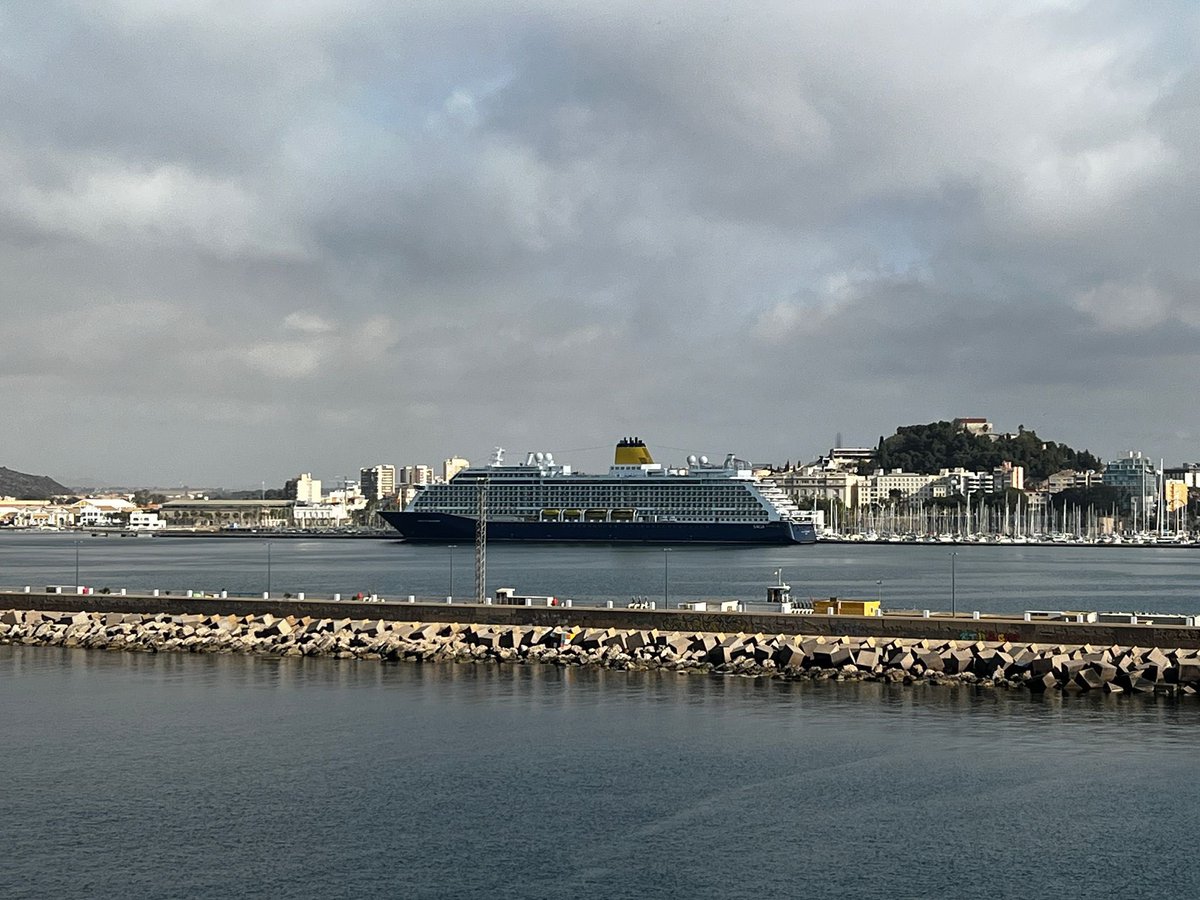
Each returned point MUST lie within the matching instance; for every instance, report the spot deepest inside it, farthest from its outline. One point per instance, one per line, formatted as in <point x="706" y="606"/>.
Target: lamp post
<point x="953" y="592"/>
<point x="451" y="549"/>
<point x="268" y="568"/>
<point x="76" y="543"/>
<point x="666" y="575"/>
<point x="879" y="584"/>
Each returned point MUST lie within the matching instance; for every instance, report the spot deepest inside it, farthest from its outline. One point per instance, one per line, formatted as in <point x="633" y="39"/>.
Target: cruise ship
<point x="638" y="501"/>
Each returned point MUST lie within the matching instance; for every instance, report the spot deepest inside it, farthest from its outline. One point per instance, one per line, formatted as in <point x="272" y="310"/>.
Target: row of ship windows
<point x="617" y="498"/>
<point x="579" y="491"/>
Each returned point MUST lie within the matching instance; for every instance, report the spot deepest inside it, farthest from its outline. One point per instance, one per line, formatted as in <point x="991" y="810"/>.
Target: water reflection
<point x="997" y="578"/>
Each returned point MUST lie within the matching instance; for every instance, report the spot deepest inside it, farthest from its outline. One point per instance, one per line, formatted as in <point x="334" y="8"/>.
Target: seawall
<point x="987" y="664"/>
<point x="940" y="628"/>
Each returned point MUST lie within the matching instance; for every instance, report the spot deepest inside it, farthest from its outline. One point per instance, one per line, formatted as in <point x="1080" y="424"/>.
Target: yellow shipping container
<point x="846" y="607"/>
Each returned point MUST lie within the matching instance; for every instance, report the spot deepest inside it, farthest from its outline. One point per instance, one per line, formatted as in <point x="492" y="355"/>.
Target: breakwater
<point x="989" y="664"/>
<point x="993" y="628"/>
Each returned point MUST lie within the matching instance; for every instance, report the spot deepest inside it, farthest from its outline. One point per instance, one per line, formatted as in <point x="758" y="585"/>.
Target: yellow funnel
<point x="632" y="452"/>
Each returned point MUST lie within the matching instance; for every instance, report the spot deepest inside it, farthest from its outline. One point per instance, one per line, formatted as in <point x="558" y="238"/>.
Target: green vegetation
<point x="940" y="445"/>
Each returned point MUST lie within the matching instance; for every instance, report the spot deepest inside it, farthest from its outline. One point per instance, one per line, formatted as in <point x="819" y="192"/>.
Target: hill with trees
<point x="941" y="445"/>
<point x="29" y="487"/>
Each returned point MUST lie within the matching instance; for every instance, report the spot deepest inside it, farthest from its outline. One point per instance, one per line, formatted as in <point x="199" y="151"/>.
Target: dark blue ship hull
<point x="446" y="528"/>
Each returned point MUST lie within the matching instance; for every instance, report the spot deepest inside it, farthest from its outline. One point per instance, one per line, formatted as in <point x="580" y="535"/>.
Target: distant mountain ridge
<point x="29" y="487"/>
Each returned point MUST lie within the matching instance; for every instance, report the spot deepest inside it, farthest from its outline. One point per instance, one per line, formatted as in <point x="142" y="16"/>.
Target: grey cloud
<point x="328" y="234"/>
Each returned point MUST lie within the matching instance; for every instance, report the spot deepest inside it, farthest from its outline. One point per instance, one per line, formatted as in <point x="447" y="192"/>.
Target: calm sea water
<point x="187" y="776"/>
<point x="989" y="578"/>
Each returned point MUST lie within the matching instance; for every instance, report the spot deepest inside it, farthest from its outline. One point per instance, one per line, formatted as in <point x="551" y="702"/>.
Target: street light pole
<point x="666" y="558"/>
<point x="879" y="583"/>
<point x="953" y="592"/>
<point x="76" y="563"/>
<point x="268" y="568"/>
<point x="451" y="549"/>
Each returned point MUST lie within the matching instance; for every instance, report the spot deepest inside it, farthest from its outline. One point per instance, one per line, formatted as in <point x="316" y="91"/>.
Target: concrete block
<point x="790" y="657"/>
<point x="1042" y="683"/>
<point x="1067" y="668"/>
<point x="1157" y="658"/>
<point x="1139" y="685"/>
<point x="719" y="655"/>
<point x="866" y="659"/>
<point x="955" y="662"/>
<point x="810" y="645"/>
<point x="931" y="660"/>
<point x="831" y="656"/>
<point x="1188" y="671"/>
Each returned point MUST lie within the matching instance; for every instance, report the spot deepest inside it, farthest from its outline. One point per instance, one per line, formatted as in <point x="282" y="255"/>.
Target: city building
<point x="227" y="513"/>
<point x="1175" y="494"/>
<point x="1188" y="473"/>
<point x="881" y="488"/>
<point x="452" y="466"/>
<point x="973" y="426"/>
<point x="350" y="497"/>
<point x="405" y="494"/>
<point x="377" y="482"/>
<point x="1006" y="477"/>
<point x="847" y="457"/>
<point x="96" y="512"/>
<point x="1066" y="479"/>
<point x="34" y="514"/>
<point x="807" y="483"/>
<point x="1135" y="476"/>
<point x="141" y="520"/>
<point x="303" y="489"/>
<point x="417" y="476"/>
<point x="324" y="515"/>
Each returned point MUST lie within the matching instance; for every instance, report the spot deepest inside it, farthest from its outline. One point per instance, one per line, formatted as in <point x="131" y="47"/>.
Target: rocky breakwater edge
<point x="987" y="665"/>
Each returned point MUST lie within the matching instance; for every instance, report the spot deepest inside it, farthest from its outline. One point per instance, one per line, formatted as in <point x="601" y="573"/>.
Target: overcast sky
<point x="242" y="240"/>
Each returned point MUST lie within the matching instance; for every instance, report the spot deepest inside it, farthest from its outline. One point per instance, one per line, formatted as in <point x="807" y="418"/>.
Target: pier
<point x="970" y="627"/>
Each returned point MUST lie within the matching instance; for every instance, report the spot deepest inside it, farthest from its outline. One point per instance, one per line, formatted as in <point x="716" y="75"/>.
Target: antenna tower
<point x="481" y="546"/>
